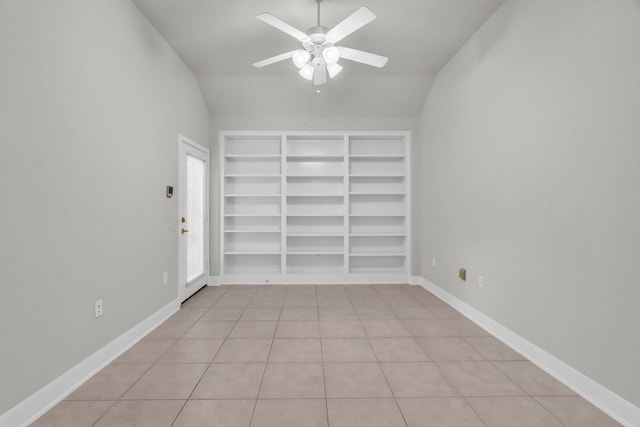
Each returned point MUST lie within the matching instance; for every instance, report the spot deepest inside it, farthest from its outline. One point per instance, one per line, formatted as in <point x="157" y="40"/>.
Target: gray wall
<point x="92" y="100"/>
<point x="250" y="123"/>
<point x="530" y="148"/>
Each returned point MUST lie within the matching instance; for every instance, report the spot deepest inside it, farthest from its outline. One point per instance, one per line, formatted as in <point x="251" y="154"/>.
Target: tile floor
<point x="321" y="356"/>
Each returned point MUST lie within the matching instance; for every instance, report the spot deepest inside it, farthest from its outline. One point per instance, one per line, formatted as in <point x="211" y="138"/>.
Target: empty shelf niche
<point x="251" y="264"/>
<point x="315" y="146"/>
<point x="315" y="244"/>
<point x="376" y="264"/>
<point x="315" y="225"/>
<point x="243" y="224"/>
<point x="247" y="186"/>
<point x="378" y="204"/>
<point x="258" y="205"/>
<point x="377" y="146"/>
<point x="315" y="186"/>
<point x="315" y="263"/>
<point x="252" y="243"/>
<point x="377" y="225"/>
<point x="376" y="185"/>
<point x="253" y="146"/>
<point x="383" y="245"/>
<point x="315" y="205"/>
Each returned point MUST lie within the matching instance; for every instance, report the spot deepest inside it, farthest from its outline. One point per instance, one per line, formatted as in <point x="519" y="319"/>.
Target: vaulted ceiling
<point x="220" y="39"/>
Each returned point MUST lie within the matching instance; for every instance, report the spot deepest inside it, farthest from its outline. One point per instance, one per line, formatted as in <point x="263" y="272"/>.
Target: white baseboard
<point x="37" y="404"/>
<point x="606" y="400"/>
<point x="308" y="279"/>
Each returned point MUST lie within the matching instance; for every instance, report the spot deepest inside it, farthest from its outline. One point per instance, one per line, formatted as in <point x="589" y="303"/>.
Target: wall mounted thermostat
<point x="169" y="191"/>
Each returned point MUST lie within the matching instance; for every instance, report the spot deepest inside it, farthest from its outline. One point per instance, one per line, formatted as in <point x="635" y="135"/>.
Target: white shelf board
<point x="381" y="193"/>
<point x="376" y="156"/>
<point x="254" y="253"/>
<point x="315" y="176"/>
<point x="385" y="255"/>
<point x="377" y="235"/>
<point x="375" y="176"/>
<point x="253" y="156"/>
<point x="311" y="158"/>
<point x="315" y="253"/>
<point x="316" y="215"/>
<point x="252" y="231"/>
<point x="315" y="195"/>
<point x="315" y="235"/>
<point x="381" y="215"/>
<point x="252" y="195"/>
<point x="235" y="175"/>
<point x="252" y="216"/>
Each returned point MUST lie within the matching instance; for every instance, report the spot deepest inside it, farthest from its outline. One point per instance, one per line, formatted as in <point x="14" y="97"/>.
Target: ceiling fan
<point x="320" y="56"/>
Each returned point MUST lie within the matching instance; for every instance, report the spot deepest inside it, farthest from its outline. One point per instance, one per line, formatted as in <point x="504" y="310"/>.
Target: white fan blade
<point x="273" y="59"/>
<point x="351" y="23"/>
<point x="282" y="26"/>
<point x="363" y="57"/>
<point x="320" y="75"/>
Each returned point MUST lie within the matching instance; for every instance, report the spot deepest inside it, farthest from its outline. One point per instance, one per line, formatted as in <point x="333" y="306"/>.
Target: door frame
<point x="185" y="144"/>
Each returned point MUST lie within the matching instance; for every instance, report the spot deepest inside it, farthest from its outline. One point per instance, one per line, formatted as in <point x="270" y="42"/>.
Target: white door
<point x="193" y="221"/>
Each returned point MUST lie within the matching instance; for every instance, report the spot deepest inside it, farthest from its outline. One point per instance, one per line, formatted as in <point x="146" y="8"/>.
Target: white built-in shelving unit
<point x="314" y="207"/>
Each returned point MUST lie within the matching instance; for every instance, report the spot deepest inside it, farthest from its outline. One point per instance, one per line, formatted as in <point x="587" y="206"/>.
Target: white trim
<point x="606" y="400"/>
<point x="308" y="279"/>
<point x="30" y="409"/>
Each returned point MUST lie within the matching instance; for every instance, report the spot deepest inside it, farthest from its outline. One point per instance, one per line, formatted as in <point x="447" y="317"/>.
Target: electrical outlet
<point x="433" y="261"/>
<point x="480" y="281"/>
<point x="98" y="308"/>
<point x="165" y="278"/>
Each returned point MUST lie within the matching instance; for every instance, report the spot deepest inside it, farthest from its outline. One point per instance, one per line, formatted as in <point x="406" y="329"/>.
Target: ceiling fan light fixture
<point x="306" y="72"/>
<point x="334" y="69"/>
<point x="300" y="58"/>
<point x="331" y="55"/>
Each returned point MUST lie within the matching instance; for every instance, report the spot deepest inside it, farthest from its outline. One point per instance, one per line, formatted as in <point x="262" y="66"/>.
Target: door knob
<point x="184" y="231"/>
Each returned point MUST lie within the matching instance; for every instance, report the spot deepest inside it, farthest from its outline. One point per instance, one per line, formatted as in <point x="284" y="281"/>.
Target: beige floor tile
<point x="347" y="350"/>
<point x="398" y="350"/>
<point x="337" y="313"/>
<point x="512" y="411"/>
<point x="290" y="413"/>
<point x="574" y="411"/>
<point x="479" y="379"/>
<point x="493" y="349"/>
<point x="334" y="301"/>
<point x="146" y="351"/>
<point x="445" y="312"/>
<point x="417" y="379"/>
<point x="404" y="300"/>
<point x="413" y="313"/>
<point x="110" y="383"/>
<point x="364" y="413"/>
<point x="300" y="301"/>
<point x="296" y="350"/>
<point x="202" y="300"/>
<point x="73" y="414"/>
<point x="192" y="351"/>
<point x="230" y="381"/>
<point x="243" y="351"/>
<point x="217" y="314"/>
<point x="465" y="328"/>
<point x="345" y="380"/>
<point x="375" y="313"/>
<point x="532" y="379"/>
<point x="167" y="381"/>
<point x="292" y="380"/>
<point x="449" y="349"/>
<point x="298" y="329"/>
<point x="170" y="330"/>
<point x="187" y="314"/>
<point x="261" y="313"/>
<point x="234" y="300"/>
<point x="341" y="329"/>
<point x="209" y="330"/>
<point x="373" y="300"/>
<point x="385" y="329"/>
<point x="438" y="411"/>
<point x="428" y="328"/>
<point x="216" y="413"/>
<point x="150" y="413"/>
<point x="301" y="290"/>
<point x="254" y="329"/>
<point x="299" y="313"/>
<point x="267" y="301"/>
